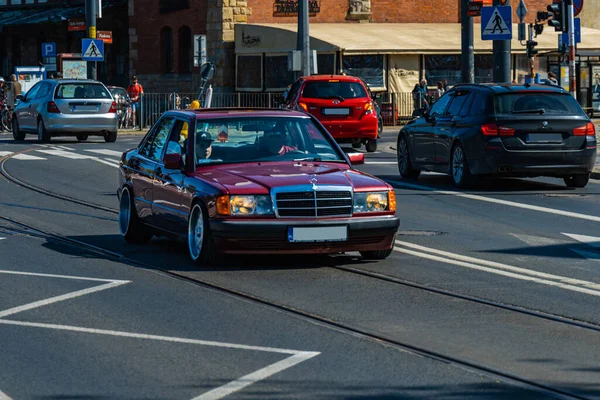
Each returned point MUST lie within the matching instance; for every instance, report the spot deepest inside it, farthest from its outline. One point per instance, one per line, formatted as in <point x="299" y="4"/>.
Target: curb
<point x="126" y="132"/>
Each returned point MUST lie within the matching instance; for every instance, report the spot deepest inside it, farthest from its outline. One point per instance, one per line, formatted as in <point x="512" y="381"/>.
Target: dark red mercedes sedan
<point x="252" y="181"/>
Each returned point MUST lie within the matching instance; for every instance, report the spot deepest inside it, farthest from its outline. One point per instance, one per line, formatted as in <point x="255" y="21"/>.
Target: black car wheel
<point x="110" y="137"/>
<point x="43" y="135"/>
<point x="82" y="138"/>
<point x="371" y="145"/>
<point x="380" y="128"/>
<point x="132" y="230"/>
<point x="200" y="242"/>
<point x="17" y="134"/>
<point x="459" y="168"/>
<point x="404" y="164"/>
<point x="376" y="254"/>
<point x="577" y="181"/>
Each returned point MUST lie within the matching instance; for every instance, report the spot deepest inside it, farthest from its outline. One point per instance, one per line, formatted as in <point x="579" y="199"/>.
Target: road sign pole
<point x="572" y="71"/>
<point x="467" y="57"/>
<point x="501" y="54"/>
<point x="532" y="58"/>
<point x="90" y="23"/>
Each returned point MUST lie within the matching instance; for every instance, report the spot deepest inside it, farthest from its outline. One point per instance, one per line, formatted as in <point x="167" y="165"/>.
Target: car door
<point x="40" y="103"/>
<point x="24" y="110"/>
<point x="423" y="133"/>
<point x="446" y="125"/>
<point x="167" y="210"/>
<point x="143" y="165"/>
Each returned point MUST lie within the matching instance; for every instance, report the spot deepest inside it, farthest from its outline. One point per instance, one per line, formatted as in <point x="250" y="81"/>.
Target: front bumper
<point x="271" y="236"/>
<point x="534" y="163"/>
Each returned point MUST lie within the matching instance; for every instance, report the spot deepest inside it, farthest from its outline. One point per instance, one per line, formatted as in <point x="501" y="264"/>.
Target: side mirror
<point x="356" y="158"/>
<point x="173" y="161"/>
<point x="419" y="112"/>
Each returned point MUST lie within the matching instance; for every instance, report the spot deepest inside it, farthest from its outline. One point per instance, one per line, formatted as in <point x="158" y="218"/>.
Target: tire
<point x="201" y="246"/>
<point x="132" y="230"/>
<point x="404" y="164"/>
<point x="459" y="167"/>
<point x="110" y="137"/>
<point x="577" y="181"/>
<point x="371" y="145"/>
<point x="82" y="138"/>
<point x="379" y="128"/>
<point x="43" y="135"/>
<point x="17" y="133"/>
<point x="376" y="254"/>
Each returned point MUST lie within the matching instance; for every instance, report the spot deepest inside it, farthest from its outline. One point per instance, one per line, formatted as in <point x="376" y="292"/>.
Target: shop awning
<point x="381" y="38"/>
<point x="40" y="15"/>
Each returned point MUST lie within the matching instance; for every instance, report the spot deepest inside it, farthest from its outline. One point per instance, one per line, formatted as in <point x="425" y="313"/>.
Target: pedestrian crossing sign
<point x="496" y="23"/>
<point x="92" y="50"/>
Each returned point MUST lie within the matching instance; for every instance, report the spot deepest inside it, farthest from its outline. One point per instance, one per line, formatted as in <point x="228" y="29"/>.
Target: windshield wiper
<point x="340" y="98"/>
<point x="536" y="111"/>
<point x="308" y="159"/>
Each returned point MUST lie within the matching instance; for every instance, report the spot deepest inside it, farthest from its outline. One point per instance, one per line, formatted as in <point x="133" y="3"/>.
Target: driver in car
<point x="274" y="144"/>
<point x="203" y="145"/>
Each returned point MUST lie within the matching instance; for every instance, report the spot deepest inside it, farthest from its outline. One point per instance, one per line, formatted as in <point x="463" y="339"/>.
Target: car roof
<point x="323" y="77"/>
<point x="74" y="80"/>
<point x="500" y="88"/>
<point x="239" y="112"/>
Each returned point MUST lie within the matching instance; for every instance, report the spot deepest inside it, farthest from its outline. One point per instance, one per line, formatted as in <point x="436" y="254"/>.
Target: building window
<point x="185" y="50"/>
<point x="248" y="76"/>
<point x="277" y="75"/>
<point x="448" y="67"/>
<point x="367" y="67"/>
<point x="166" y="50"/>
<point x="326" y="63"/>
<point x="167" y="6"/>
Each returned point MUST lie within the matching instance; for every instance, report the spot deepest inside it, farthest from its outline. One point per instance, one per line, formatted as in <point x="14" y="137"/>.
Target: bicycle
<point x="125" y="113"/>
<point x="6" y="116"/>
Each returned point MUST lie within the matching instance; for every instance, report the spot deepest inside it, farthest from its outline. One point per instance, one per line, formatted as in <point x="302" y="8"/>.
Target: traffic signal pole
<point x="571" y="33"/>
<point x="90" y="23"/>
<point x="501" y="54"/>
<point x="467" y="57"/>
<point x="532" y="57"/>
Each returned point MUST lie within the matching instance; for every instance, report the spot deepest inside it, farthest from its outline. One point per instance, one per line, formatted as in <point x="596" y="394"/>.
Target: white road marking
<point x="65" y="154"/>
<point x="27" y="157"/>
<point x="538" y="241"/>
<point x="498" y="201"/>
<point x="106" y="162"/>
<point x="56" y="299"/>
<point x="589" y="240"/>
<point x="575" y="285"/>
<point x="2" y="238"/>
<point x="381" y="162"/>
<point x="81" y="278"/>
<point x="64" y="148"/>
<point x="256" y="376"/>
<point x="4" y="396"/>
<point x="106" y="152"/>
<point x="5" y="153"/>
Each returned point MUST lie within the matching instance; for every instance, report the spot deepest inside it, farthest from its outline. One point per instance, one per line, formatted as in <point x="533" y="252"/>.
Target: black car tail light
<point x="586" y="130"/>
<point x="495" y="130"/>
<point x="53" y="108"/>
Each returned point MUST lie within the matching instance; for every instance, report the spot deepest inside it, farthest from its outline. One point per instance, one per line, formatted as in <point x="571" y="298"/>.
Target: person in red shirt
<point x="135" y="90"/>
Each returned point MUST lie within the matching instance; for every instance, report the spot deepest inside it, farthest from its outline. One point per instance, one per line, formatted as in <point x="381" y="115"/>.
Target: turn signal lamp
<point x="586" y="130"/>
<point x="392" y="200"/>
<point x="303" y="106"/>
<point x="368" y="107"/>
<point x="53" y="108"/>
<point x="223" y="206"/>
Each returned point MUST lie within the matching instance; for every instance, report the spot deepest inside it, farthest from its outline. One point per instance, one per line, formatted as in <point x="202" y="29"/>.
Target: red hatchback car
<point x="252" y="181"/>
<point x="342" y="104"/>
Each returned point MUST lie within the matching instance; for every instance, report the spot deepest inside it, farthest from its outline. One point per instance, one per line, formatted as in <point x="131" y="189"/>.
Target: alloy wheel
<point x="196" y="232"/>
<point x="458" y="164"/>
<point x="403" y="156"/>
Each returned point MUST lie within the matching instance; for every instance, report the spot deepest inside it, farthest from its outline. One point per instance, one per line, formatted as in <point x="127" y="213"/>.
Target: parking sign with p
<point x="49" y="49"/>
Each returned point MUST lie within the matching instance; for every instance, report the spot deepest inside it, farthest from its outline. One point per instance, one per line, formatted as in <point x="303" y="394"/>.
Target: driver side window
<point x="153" y="148"/>
<point x="31" y="94"/>
<point x="437" y="110"/>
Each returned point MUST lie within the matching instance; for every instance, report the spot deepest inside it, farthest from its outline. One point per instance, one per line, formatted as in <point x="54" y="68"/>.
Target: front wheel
<point x="200" y="242"/>
<point x="371" y="145"/>
<point x="376" y="254"/>
<point x="17" y="134"/>
<point x="577" y="181"/>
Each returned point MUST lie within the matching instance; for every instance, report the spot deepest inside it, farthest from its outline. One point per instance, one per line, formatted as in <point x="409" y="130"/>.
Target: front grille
<point x="314" y="203"/>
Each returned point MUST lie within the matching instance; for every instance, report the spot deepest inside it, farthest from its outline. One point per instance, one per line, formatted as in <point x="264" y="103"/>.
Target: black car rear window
<point x="536" y="103"/>
<point x="333" y="89"/>
<point x="81" y="91"/>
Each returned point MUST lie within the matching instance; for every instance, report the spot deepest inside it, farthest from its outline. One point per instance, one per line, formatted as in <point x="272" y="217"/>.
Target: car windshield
<point x="247" y="139"/>
<point x="537" y="103"/>
<point x="81" y="91"/>
<point x="333" y="89"/>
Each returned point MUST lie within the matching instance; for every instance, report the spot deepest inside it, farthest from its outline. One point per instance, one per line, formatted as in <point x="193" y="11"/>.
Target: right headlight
<point x="374" y="201"/>
<point x="242" y="205"/>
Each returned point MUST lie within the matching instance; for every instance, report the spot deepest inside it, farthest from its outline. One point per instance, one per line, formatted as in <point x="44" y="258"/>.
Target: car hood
<point x="261" y="178"/>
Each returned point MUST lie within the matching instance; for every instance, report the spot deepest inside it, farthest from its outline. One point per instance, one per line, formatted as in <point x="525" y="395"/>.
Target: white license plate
<point x="318" y="234"/>
<point x="336" y="111"/>
<point x="85" y="108"/>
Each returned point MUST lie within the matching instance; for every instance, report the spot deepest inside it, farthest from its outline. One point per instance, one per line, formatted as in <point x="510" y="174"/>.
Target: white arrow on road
<point x="591" y="241"/>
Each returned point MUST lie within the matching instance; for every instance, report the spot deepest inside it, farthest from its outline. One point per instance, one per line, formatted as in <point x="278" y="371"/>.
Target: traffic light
<point x="559" y="16"/>
<point x="531" y="51"/>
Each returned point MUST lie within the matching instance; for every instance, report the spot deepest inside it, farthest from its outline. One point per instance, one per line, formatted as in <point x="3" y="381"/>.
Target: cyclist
<point x="135" y="90"/>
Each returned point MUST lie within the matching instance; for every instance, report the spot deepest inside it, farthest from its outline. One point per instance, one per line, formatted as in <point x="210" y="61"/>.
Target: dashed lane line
<point x="4" y="396"/>
<point x="106" y="152"/>
<point x="498" y="201"/>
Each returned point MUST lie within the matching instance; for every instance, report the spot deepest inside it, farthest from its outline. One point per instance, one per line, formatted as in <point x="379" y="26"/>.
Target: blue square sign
<point x="92" y="50"/>
<point x="49" y="49"/>
<point x="496" y="23"/>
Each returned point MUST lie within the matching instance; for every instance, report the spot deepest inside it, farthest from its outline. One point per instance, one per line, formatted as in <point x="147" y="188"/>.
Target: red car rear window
<point x="333" y="89"/>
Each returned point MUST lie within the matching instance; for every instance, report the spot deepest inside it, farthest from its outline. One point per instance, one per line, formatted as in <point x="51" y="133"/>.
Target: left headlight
<point x="374" y="202"/>
<point x="244" y="205"/>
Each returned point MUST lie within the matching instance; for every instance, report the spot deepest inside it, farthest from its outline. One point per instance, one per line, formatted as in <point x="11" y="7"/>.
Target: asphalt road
<point x="503" y="278"/>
